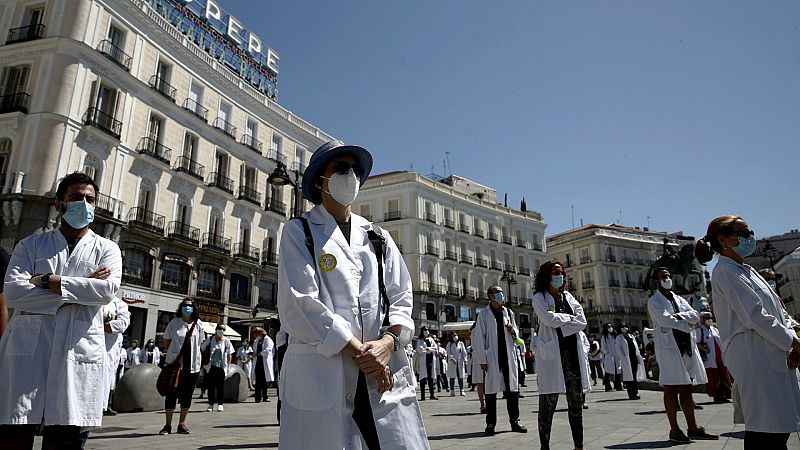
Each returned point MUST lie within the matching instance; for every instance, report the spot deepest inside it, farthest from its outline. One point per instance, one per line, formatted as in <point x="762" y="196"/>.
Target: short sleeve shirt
<point x="176" y="332"/>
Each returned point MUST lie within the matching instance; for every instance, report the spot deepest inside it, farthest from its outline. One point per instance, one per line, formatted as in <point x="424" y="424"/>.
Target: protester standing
<point x="564" y="367"/>
<point x="493" y="344"/>
<point x="456" y="364"/>
<point x="244" y="357"/>
<point x="478" y="375"/>
<point x="221" y="352"/>
<point x="264" y="368"/>
<point x="631" y="360"/>
<point x="612" y="366"/>
<point x="116" y="319"/>
<point x="186" y="322"/>
<point x="151" y="353"/>
<point x="595" y="360"/>
<point x="427" y="350"/>
<point x="134" y="355"/>
<point x="719" y="384"/>
<point x="53" y="350"/>
<point x="758" y="344"/>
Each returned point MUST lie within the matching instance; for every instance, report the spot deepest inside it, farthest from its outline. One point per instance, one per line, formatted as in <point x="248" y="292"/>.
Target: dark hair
<point x="195" y="314"/>
<point x="491" y="290"/>
<point x="71" y="179"/>
<point x="605" y="330"/>
<point x="707" y="245"/>
<point x="542" y="281"/>
<point x="421" y="329"/>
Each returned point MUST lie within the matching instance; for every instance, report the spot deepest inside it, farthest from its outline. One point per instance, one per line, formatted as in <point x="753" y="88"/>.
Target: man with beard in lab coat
<point x="345" y="299"/>
<point x="493" y="349"/>
<point x="52" y="356"/>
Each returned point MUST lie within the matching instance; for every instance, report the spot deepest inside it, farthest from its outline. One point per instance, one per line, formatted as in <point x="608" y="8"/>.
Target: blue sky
<point x="678" y="110"/>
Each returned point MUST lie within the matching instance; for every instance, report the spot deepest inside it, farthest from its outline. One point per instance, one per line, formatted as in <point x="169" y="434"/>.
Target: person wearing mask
<point x="478" y="375"/>
<point x="441" y="371"/>
<point x="186" y="322"/>
<point x="698" y="302"/>
<point x="134" y="355"/>
<point x="456" y="364"/>
<point x="116" y="319"/>
<point x="719" y="380"/>
<point x="427" y="350"/>
<point x="4" y="257"/>
<point x="345" y="298"/>
<point x="595" y="359"/>
<point x="264" y="368"/>
<point x="564" y="367"/>
<point x="631" y="360"/>
<point x="221" y="352"/>
<point x="53" y="351"/>
<point x="494" y="350"/>
<point x="678" y="360"/>
<point x="757" y="341"/>
<point x="244" y="357"/>
<point x="151" y="353"/>
<point x="612" y="366"/>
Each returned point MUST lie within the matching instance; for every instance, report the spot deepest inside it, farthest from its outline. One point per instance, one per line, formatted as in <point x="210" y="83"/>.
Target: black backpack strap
<point x="379" y="243"/>
<point x="309" y="237"/>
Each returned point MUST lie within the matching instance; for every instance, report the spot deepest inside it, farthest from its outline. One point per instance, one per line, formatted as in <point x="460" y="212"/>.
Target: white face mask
<point x="344" y="188"/>
<point x="667" y="284"/>
<point x="220" y="333"/>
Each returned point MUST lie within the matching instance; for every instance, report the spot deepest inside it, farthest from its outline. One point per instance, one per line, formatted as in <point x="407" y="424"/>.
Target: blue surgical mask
<point x="557" y="281"/>
<point x="425" y="333"/>
<point x="79" y="214"/>
<point x="500" y="298"/>
<point x="624" y="329"/>
<point x="187" y="311"/>
<point x="746" y="247"/>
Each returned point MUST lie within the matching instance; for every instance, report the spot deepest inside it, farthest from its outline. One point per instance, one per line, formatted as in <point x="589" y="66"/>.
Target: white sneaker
<point x="463" y="394"/>
<point x="220" y="408"/>
<point x="210" y="408"/>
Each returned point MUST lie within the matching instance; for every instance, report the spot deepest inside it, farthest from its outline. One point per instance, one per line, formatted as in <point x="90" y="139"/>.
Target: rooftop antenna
<point x="449" y="169"/>
<point x="621" y="223"/>
<point x="581" y="223"/>
<point x="648" y="222"/>
<point x="572" y="212"/>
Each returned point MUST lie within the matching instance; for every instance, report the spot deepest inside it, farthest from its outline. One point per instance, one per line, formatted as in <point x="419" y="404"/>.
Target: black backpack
<point x="378" y="245"/>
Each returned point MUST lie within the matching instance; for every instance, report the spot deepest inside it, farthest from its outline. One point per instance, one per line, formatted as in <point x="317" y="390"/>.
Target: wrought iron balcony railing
<point x="16" y="102"/>
<point x="196" y="108"/>
<point x="183" y="232"/>
<point x="115" y="54"/>
<point x="190" y="167"/>
<point x="245" y="251"/>
<point x="103" y="121"/>
<point x="269" y="259"/>
<point x="224" y="126"/>
<point x="151" y="147"/>
<point x="108" y="206"/>
<point x="146" y="220"/>
<point x="252" y="143"/>
<point x="392" y="215"/>
<point x="217" y="243"/>
<point x="23" y="34"/>
<point x="218" y="180"/>
<point x="162" y="87"/>
<point x="249" y="194"/>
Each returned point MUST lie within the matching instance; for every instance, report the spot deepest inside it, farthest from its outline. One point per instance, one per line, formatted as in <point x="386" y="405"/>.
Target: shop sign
<point x="133" y="297"/>
<point x="210" y="311"/>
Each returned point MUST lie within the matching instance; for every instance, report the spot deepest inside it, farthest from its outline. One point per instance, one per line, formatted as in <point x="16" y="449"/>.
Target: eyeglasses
<point x="342" y="167"/>
<point x="746" y="233"/>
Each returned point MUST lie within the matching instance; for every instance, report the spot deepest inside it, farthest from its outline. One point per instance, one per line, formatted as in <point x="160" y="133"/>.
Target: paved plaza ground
<point x="611" y="422"/>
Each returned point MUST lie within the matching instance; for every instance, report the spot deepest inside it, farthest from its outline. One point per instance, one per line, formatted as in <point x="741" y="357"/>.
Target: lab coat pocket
<point x="312" y="382"/>
<point x="666" y="338"/>
<point x="88" y="342"/>
<point x="547" y="349"/>
<point x="23" y="335"/>
<point x="42" y="266"/>
<point x="85" y="268"/>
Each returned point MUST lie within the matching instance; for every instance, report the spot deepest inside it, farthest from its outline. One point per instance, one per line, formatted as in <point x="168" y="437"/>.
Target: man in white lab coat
<point x="493" y="350"/>
<point x="134" y="355"/>
<point x="116" y="319"/>
<point x="344" y="373"/>
<point x="52" y="357"/>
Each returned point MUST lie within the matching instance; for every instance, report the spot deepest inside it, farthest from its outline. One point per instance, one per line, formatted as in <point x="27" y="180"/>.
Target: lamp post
<point x="508" y="278"/>
<point x="771" y="252"/>
<point x="280" y="177"/>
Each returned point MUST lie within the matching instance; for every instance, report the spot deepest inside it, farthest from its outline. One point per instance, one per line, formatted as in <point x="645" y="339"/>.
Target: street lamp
<point x="280" y="177"/>
<point x="508" y="278"/>
<point x="771" y="252"/>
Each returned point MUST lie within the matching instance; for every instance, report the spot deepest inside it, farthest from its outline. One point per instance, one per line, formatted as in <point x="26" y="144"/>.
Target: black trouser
<point x="522" y="378"/>
<point x="281" y="354"/>
<point x="633" y="386"/>
<point x="756" y="440"/>
<point x="54" y="437"/>
<point x="216" y="385"/>
<point x="460" y="384"/>
<point x="597" y="369"/>
<point x="362" y="414"/>
<point x="618" y="381"/>
<point x="261" y="380"/>
<point x="186" y="384"/>
<point x="512" y="405"/>
<point x="548" y="402"/>
<point x="430" y="385"/>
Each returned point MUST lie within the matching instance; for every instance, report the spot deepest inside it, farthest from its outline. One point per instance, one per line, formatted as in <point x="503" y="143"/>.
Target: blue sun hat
<point x="320" y="159"/>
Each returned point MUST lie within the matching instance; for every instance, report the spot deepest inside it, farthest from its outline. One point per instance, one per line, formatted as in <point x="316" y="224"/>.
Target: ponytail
<point x="703" y="251"/>
<point x="706" y="246"/>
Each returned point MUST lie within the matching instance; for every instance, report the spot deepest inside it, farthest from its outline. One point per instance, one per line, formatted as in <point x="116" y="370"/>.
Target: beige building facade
<point x="789" y="283"/>
<point x="176" y="118"/>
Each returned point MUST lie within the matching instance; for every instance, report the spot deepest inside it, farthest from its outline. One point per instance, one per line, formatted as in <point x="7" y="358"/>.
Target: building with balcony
<point x="607" y="266"/>
<point x="457" y="242"/>
<point x="788" y="269"/>
<point x="143" y="96"/>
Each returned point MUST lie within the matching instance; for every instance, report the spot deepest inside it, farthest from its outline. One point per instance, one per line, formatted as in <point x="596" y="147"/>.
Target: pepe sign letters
<point x="223" y="36"/>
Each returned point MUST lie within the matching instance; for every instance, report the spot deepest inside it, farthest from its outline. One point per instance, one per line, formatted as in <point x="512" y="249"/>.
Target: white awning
<point x="457" y="326"/>
<point x="211" y="328"/>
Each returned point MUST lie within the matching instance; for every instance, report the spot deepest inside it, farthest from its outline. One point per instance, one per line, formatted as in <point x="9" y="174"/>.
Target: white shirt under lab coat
<point x="267" y="355"/>
<point x="755" y="340"/>
<point x="53" y="353"/>
<point x="456" y="359"/>
<point x="710" y="337"/>
<point x="675" y="369"/>
<point x="485" y="350"/>
<point x="550" y="374"/>
<point x="224" y="346"/>
<point x="622" y="349"/>
<point x="176" y="333"/>
<point x="325" y="300"/>
<point x="119" y="309"/>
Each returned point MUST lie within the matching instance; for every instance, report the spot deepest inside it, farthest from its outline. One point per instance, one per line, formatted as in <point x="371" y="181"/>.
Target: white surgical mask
<point x="667" y="284"/>
<point x="220" y="333"/>
<point x="344" y="188"/>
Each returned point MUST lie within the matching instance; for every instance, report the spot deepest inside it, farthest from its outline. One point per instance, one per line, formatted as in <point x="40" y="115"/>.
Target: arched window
<point x="93" y="167"/>
<point x="175" y="274"/>
<point x="209" y="282"/>
<point x="239" y="292"/>
<point x="5" y="161"/>
<point x="137" y="267"/>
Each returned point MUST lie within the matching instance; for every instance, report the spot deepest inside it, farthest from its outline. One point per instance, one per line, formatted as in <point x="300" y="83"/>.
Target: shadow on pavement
<point x="649" y="413"/>
<point x="248" y="425"/>
<point x="93" y="437"/>
<point x="734" y="434"/>
<point x="474" y="434"/>
<point x="615" y="400"/>
<point x="235" y="446"/>
<point x="457" y="414"/>
<point x="651" y="444"/>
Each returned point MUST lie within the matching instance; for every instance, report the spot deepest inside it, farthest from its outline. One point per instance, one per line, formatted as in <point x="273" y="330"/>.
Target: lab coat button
<point x="349" y="396"/>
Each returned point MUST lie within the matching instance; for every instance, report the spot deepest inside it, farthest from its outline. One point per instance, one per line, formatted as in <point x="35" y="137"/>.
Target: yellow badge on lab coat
<point x="327" y="262"/>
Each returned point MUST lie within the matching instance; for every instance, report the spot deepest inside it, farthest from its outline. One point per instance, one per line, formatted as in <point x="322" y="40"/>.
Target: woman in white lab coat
<point x="676" y="352"/>
<point x="152" y="354"/>
<point x="456" y="364"/>
<point x="478" y="375"/>
<point x="264" y="368"/>
<point x="719" y="386"/>
<point x="428" y="367"/>
<point x="630" y="359"/>
<point x="244" y="357"/>
<point x="344" y="372"/>
<point x="612" y="368"/>
<point x="758" y="344"/>
<point x="564" y="364"/>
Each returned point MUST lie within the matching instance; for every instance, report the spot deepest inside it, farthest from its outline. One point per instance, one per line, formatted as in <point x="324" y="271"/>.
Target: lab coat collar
<point x="88" y="237"/>
<point x="358" y="230"/>
<point x="724" y="260"/>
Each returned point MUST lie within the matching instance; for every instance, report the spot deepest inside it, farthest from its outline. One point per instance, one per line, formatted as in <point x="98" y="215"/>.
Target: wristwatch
<point x="396" y="339"/>
<point x="46" y="280"/>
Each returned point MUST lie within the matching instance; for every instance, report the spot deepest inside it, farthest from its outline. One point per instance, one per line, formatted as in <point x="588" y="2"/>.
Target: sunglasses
<point x="746" y="233"/>
<point x="342" y="167"/>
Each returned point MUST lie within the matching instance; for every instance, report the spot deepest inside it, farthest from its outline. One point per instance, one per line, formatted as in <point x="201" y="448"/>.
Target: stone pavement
<point x="611" y="422"/>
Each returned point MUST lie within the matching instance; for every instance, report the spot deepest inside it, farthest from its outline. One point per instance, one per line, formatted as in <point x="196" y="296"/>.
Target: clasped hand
<point x="372" y="358"/>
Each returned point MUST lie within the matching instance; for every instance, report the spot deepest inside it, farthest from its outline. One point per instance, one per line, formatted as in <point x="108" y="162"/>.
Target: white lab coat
<point x="119" y="309"/>
<point x="621" y="349"/>
<point x="145" y="355"/>
<point x="268" y="356"/>
<point x="585" y="368"/>
<point x="611" y="363"/>
<point x="710" y="337"/>
<point x="224" y="345"/>
<point x="426" y="347"/>
<point x="548" y="355"/>
<point x="321" y="311"/>
<point x="485" y="349"/>
<point x="675" y="369"/>
<point x="53" y="354"/>
<point x="756" y="337"/>
<point x="134" y="357"/>
<point x="456" y="359"/>
<point x="176" y="333"/>
<point x="245" y="358"/>
<point x="698" y="303"/>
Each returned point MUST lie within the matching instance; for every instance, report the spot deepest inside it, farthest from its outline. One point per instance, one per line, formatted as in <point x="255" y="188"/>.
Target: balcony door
<point x="221" y="164"/>
<point x="34" y="16"/>
<point x="15" y="79"/>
